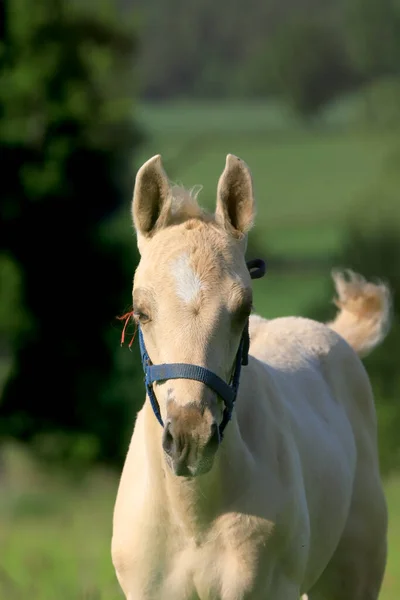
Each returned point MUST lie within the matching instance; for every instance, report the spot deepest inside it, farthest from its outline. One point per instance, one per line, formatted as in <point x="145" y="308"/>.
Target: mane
<point x="184" y="205"/>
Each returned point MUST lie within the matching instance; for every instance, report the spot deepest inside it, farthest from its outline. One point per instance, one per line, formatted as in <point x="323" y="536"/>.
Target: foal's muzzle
<point x="189" y="452"/>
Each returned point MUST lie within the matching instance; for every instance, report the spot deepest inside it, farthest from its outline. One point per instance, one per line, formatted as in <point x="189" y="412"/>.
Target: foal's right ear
<point x="151" y="199"/>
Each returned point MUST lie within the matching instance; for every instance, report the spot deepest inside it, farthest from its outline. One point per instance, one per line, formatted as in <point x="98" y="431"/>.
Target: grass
<point x="55" y="534"/>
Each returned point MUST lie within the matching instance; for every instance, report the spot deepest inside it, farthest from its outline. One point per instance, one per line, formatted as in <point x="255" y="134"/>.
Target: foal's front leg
<point x="138" y="573"/>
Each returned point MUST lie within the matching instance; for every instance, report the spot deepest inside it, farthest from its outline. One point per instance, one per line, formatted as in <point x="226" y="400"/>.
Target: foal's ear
<point x="235" y="201"/>
<point x="151" y="198"/>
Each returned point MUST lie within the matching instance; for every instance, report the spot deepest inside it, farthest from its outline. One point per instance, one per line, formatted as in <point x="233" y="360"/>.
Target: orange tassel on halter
<point x="127" y="317"/>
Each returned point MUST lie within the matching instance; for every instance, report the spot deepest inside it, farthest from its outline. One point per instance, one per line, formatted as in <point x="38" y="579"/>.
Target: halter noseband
<point x="227" y="392"/>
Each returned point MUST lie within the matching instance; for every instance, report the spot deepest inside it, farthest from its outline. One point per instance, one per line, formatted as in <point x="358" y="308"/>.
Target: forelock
<point x="184" y="206"/>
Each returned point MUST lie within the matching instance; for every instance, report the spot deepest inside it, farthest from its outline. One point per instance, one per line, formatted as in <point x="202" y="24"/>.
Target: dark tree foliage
<point x="307" y="64"/>
<point x="67" y="146"/>
<point x="373" y="36"/>
<point x="209" y="49"/>
<point x="308" y="51"/>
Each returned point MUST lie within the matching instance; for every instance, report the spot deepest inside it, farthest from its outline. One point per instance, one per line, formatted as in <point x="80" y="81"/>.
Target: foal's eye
<point x="141" y="316"/>
<point x="243" y="312"/>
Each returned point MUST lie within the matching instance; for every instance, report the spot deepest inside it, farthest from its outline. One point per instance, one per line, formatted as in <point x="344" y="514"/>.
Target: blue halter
<point x="227" y="392"/>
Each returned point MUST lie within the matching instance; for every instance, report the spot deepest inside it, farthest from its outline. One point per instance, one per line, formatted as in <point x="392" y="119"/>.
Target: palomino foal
<point x="290" y="500"/>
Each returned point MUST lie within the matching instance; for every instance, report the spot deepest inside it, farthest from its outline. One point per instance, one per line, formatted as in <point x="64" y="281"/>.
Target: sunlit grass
<point x="55" y="534"/>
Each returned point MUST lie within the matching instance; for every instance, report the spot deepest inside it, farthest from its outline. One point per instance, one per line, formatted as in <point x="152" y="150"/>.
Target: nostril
<point x="168" y="439"/>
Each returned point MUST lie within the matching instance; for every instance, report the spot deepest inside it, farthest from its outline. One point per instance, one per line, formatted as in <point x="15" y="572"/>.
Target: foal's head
<point x="192" y="298"/>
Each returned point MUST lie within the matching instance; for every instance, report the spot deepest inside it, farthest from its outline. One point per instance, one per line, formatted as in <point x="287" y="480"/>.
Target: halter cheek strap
<point x="227" y="392"/>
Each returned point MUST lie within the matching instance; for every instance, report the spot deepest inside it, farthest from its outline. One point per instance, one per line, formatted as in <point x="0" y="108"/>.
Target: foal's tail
<point x="363" y="319"/>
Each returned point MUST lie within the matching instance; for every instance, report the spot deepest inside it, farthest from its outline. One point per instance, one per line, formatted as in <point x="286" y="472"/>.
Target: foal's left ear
<point x="235" y="201"/>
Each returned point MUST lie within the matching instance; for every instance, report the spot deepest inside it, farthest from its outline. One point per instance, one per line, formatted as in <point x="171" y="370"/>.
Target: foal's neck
<point x="194" y="503"/>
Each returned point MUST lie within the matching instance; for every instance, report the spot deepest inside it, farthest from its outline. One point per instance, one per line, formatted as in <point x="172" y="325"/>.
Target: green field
<point x="55" y="535"/>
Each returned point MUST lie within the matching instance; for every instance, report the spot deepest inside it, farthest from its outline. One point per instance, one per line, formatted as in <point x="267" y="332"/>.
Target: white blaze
<point x="188" y="283"/>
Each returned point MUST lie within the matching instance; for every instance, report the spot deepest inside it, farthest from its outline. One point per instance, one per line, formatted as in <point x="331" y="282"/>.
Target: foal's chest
<point x="223" y="564"/>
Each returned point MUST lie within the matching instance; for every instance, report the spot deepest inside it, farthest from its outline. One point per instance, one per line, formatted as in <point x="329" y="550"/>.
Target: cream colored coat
<point x="293" y="502"/>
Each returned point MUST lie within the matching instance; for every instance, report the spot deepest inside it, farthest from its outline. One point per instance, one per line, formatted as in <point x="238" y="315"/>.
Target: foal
<point x="290" y="500"/>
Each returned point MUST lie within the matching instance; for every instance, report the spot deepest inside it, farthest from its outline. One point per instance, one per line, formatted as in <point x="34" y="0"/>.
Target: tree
<point x="307" y="64"/>
<point x="211" y="49"/>
<point x="373" y="36"/>
<point x="67" y="141"/>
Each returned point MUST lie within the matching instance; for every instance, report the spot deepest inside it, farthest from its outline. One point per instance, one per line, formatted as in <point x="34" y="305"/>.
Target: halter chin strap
<point x="227" y="392"/>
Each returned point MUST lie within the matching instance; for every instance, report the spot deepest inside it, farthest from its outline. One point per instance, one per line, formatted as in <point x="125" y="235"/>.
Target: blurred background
<point x="307" y="92"/>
